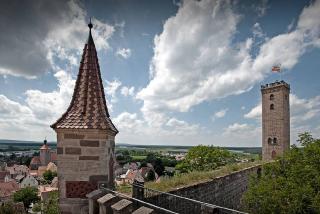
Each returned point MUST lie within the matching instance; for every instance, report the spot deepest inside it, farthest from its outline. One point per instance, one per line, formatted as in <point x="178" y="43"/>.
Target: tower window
<point x="272" y="107"/>
<point x="269" y="140"/>
<point x="275" y="140"/>
<point x="271" y="97"/>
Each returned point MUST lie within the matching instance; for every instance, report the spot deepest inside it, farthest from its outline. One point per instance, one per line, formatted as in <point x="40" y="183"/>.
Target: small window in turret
<point x="272" y="107"/>
<point x="271" y="97"/>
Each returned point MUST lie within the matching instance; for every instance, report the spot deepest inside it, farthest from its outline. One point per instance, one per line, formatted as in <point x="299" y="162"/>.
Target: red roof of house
<point x="88" y="108"/>
<point x="35" y="160"/>
<point x="8" y="188"/>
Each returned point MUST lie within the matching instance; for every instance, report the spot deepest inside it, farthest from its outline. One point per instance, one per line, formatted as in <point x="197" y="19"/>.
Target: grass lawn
<point x="138" y="158"/>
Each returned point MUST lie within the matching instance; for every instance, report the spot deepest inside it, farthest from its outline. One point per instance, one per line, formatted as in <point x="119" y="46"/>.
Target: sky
<point x="175" y="72"/>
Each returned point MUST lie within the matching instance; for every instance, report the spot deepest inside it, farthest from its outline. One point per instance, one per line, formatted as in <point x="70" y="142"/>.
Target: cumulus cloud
<point x="206" y="65"/>
<point x="129" y="122"/>
<point x="239" y="132"/>
<point x="41" y="109"/>
<point x="126" y="91"/>
<point x="56" y="31"/>
<point x="111" y="89"/>
<point x="255" y="113"/>
<point x="124" y="52"/>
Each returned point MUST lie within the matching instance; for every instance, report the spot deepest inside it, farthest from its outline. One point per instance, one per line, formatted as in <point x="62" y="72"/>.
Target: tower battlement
<point x="275" y="84"/>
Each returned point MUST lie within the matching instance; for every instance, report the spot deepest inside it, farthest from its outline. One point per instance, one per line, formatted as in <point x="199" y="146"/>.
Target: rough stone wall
<point x="84" y="160"/>
<point x="225" y="191"/>
<point x="276" y="122"/>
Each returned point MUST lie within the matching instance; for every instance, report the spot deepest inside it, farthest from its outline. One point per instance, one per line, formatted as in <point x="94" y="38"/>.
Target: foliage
<point x="48" y="175"/>
<point x="9" y="207"/>
<point x="123" y="157"/>
<point x="202" y="158"/>
<point x="156" y="162"/>
<point x="51" y="204"/>
<point x="150" y="176"/>
<point x="26" y="195"/>
<point x="289" y="185"/>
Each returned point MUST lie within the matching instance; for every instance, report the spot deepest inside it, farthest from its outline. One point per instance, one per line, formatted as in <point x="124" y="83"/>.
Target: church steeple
<point x="88" y="108"/>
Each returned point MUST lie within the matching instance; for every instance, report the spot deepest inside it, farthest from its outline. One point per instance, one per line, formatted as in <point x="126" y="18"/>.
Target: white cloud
<point x="206" y="65"/>
<point x="219" y="114"/>
<point x="125" y="91"/>
<point x="255" y="113"/>
<point x="129" y="122"/>
<point x="58" y="36"/>
<point x="134" y="130"/>
<point x="240" y="133"/>
<point x="74" y="29"/>
<point x="124" y="52"/>
<point x="32" y="119"/>
<point x="111" y="89"/>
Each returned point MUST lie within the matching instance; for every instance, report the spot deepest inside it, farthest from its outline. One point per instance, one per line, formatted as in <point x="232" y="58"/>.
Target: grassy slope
<point x="189" y="179"/>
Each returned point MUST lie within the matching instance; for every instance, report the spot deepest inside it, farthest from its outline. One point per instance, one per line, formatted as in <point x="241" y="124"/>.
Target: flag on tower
<point x="276" y="68"/>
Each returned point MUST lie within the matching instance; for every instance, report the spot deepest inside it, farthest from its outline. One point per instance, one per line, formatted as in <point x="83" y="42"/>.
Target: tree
<point x="26" y="195"/>
<point x="202" y="158"/>
<point x="48" y="175"/>
<point x="289" y="185"/>
<point x="8" y="207"/>
<point x="49" y="206"/>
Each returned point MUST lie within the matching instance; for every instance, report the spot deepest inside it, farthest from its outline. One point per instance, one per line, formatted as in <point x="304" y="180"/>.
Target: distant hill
<point x="36" y="144"/>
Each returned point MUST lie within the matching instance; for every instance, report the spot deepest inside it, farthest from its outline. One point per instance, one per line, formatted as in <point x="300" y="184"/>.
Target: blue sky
<point x="175" y="72"/>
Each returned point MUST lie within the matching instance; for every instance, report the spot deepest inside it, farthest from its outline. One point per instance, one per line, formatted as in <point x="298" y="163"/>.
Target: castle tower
<point x="85" y="137"/>
<point x="45" y="155"/>
<point x="275" y="119"/>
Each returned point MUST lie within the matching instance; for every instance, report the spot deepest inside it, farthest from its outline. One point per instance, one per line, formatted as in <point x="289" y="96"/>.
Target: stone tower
<point x="275" y="119"/>
<point x="85" y="137"/>
<point x="45" y="155"/>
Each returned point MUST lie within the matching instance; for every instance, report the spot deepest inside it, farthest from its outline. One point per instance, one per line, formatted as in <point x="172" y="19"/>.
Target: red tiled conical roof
<point x="88" y="108"/>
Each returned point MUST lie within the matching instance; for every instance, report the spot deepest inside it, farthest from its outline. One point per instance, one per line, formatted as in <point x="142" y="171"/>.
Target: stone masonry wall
<point x="85" y="159"/>
<point x="225" y="191"/>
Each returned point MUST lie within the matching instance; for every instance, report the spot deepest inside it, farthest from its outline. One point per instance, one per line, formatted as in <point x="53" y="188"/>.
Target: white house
<point x="29" y="181"/>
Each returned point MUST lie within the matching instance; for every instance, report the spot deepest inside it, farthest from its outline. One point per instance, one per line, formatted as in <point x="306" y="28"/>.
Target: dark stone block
<point x="88" y="157"/>
<point x="89" y="143"/>
<point x="73" y="151"/>
<point x="73" y="136"/>
<point x="59" y="150"/>
<point x="98" y="178"/>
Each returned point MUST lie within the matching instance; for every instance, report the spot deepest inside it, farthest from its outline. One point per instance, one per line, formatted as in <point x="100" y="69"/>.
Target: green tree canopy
<point x="202" y="158"/>
<point x="48" y="175"/>
<point x="289" y="185"/>
<point x="26" y="195"/>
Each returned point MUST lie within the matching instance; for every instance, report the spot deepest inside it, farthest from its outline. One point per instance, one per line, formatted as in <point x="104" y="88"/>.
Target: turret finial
<point x="90" y="24"/>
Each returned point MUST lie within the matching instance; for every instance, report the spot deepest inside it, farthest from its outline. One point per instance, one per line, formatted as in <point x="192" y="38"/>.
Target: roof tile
<point x="88" y="109"/>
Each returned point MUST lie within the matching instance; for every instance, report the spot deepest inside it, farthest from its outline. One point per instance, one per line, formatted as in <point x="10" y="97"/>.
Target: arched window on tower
<point x="272" y="107"/>
<point x="271" y="97"/>
<point x="269" y="140"/>
<point x="275" y="140"/>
